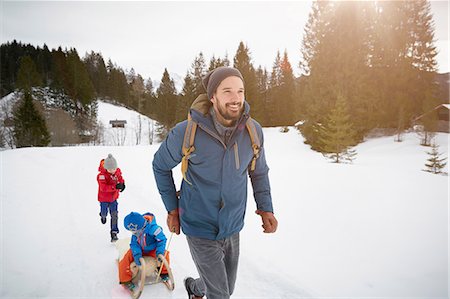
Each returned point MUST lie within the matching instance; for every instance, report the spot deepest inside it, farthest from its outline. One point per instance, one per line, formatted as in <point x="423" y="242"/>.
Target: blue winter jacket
<point x="151" y="238"/>
<point x="213" y="207"/>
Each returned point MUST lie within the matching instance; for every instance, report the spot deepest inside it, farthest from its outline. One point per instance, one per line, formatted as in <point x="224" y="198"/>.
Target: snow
<point x="128" y="135"/>
<point x="375" y="228"/>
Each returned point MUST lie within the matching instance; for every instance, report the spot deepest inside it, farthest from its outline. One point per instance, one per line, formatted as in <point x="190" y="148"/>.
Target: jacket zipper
<point x="236" y="155"/>
<point x="207" y="130"/>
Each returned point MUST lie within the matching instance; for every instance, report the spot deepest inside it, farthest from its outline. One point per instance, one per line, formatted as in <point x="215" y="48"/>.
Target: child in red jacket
<point x="110" y="182"/>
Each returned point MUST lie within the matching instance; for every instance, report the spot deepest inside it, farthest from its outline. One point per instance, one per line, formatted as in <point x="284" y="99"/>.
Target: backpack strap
<point x="188" y="145"/>
<point x="256" y="143"/>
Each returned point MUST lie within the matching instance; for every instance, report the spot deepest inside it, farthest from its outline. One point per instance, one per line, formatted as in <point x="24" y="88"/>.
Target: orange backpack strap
<point x="188" y="145"/>
<point x="256" y="143"/>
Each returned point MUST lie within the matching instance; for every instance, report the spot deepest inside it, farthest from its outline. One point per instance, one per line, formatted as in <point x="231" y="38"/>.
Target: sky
<point x="150" y="36"/>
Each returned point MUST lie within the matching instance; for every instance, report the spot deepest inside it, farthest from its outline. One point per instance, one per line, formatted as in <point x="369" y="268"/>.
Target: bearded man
<point x="211" y="206"/>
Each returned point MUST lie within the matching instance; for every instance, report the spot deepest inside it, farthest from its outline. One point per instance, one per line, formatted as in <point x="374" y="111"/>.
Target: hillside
<point x="377" y="228"/>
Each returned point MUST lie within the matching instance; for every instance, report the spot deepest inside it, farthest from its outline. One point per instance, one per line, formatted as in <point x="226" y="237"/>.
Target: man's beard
<point x="227" y="115"/>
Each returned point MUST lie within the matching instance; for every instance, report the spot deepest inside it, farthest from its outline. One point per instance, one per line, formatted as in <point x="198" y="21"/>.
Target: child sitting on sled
<point x="148" y="240"/>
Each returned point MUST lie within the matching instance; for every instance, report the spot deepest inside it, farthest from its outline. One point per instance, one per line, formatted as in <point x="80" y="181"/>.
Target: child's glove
<point x="120" y="186"/>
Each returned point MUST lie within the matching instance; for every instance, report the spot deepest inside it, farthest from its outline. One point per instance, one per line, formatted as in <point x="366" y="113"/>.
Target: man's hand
<point x="173" y="221"/>
<point x="270" y="223"/>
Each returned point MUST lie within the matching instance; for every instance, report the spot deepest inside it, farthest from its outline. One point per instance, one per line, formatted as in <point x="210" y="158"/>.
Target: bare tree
<point x="120" y="135"/>
<point x="151" y="131"/>
<point x="7" y="128"/>
<point x="99" y="134"/>
<point x="138" y="130"/>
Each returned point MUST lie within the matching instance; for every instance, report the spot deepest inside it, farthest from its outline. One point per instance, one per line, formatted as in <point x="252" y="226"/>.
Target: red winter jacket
<point x="107" y="191"/>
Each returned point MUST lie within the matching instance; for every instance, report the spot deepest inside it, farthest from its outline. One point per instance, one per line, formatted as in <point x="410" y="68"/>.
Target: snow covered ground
<point x="137" y="128"/>
<point x="377" y="228"/>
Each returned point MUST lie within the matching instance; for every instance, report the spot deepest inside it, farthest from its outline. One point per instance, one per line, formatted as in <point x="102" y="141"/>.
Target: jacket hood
<point x="101" y="168"/>
<point x="151" y="219"/>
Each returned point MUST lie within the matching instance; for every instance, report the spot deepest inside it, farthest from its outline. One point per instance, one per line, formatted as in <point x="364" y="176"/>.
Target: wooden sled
<point x="148" y="273"/>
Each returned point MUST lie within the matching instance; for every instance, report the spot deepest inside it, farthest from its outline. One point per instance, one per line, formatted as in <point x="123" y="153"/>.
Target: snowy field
<point x="377" y="228"/>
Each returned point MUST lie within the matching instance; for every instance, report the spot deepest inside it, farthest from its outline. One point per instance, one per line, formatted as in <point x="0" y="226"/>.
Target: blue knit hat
<point x="134" y="221"/>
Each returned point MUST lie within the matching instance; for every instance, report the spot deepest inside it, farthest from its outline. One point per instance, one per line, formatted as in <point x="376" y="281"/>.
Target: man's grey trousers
<point x="217" y="263"/>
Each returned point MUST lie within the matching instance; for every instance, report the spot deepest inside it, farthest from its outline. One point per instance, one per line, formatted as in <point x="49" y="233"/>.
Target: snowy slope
<point x="136" y="131"/>
<point x="377" y="228"/>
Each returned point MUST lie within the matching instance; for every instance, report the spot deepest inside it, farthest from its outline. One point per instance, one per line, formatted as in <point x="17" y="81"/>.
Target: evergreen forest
<point x="364" y="65"/>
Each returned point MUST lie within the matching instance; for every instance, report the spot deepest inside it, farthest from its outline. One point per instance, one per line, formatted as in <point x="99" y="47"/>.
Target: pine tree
<point x="217" y="62"/>
<point x="287" y="92"/>
<point x="188" y="95"/>
<point x="79" y="87"/>
<point x="337" y="134"/>
<point x="198" y="71"/>
<point x="28" y="76"/>
<point x="435" y="164"/>
<point x="166" y="101"/>
<point x="242" y="62"/>
<point x="30" y="128"/>
<point x="335" y="51"/>
<point x="273" y="103"/>
<point x="98" y="74"/>
<point x="149" y="87"/>
<point x="44" y="64"/>
<point x="262" y="79"/>
<point x="428" y="123"/>
<point x="404" y="64"/>
<point x="137" y="91"/>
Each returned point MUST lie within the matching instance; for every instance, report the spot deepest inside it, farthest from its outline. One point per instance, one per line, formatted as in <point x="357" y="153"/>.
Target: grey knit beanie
<point x="212" y="80"/>
<point x="110" y="162"/>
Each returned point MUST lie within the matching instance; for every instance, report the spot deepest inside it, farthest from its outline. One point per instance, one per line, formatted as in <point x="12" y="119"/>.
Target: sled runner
<point x="149" y="271"/>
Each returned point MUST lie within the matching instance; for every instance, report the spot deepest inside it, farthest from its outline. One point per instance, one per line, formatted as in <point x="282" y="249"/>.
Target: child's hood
<point x="101" y="167"/>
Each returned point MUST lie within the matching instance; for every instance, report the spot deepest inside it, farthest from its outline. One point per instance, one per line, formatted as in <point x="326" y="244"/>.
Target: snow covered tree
<point x="435" y="163"/>
<point x="337" y="134"/>
<point x="30" y="128"/>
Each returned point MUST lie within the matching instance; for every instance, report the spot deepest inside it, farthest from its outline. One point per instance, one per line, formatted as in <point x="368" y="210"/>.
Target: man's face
<point x="228" y="100"/>
<point x="111" y="171"/>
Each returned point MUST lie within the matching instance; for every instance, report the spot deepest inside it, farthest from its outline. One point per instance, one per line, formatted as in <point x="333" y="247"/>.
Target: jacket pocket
<point x="236" y="155"/>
